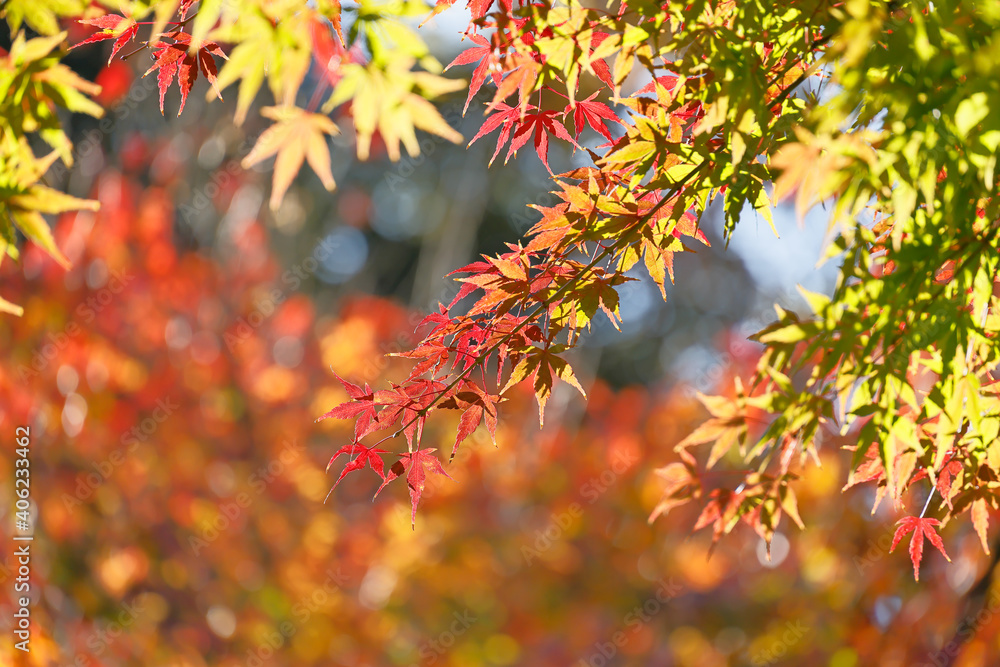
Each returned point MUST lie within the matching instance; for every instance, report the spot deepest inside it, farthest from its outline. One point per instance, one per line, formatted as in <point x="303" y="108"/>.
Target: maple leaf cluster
<point x="517" y="316"/>
<point x="174" y="60"/>
<point x="897" y="367"/>
<point x="281" y="45"/>
<point x="177" y="59"/>
<point x="670" y="148"/>
<point x="510" y="70"/>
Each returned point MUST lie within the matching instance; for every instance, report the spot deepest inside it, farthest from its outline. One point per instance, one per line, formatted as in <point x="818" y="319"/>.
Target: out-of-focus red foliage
<point x="179" y="480"/>
<point x="115" y="81"/>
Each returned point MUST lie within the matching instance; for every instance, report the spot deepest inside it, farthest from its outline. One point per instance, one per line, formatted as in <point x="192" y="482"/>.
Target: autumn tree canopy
<point x="886" y="113"/>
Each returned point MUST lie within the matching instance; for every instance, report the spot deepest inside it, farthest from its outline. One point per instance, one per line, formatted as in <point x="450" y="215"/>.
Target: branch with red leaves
<point x="535" y="299"/>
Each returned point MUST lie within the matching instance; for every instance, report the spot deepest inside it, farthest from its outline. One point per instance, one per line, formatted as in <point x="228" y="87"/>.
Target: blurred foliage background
<point x="172" y="377"/>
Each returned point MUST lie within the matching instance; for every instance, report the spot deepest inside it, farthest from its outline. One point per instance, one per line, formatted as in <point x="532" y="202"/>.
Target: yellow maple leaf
<point x="393" y="100"/>
<point x="296" y="135"/>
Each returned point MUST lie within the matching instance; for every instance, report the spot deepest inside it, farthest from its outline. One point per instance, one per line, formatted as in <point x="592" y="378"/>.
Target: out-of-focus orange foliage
<point x="179" y="480"/>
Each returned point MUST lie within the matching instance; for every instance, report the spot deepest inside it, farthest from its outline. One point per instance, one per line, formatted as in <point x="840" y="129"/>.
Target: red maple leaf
<point x="921" y="528"/>
<point x="718" y="512"/>
<point x="479" y="8"/>
<point x="539" y="125"/>
<point x="532" y="124"/>
<point x="485" y="55"/>
<point x="504" y="115"/>
<point x="185" y="8"/>
<point x="594" y="114"/>
<point x="361" y="406"/>
<point x="440" y="320"/>
<point x="600" y="66"/>
<point x="946" y="477"/>
<point x="477" y="405"/>
<point x="113" y="26"/>
<point x="369" y="455"/>
<point x="431" y="356"/>
<point x="416" y="476"/>
<point x="174" y="60"/>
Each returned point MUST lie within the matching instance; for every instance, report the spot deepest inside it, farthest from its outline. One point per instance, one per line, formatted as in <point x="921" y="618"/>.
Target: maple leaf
<point x="720" y="512"/>
<point x="539" y="125"/>
<point x="478" y="8"/>
<point x="297" y="135"/>
<point x="811" y="167"/>
<point x="361" y="406"/>
<point x="416" y="475"/>
<point x="979" y="500"/>
<point x="409" y="403"/>
<point x="945" y="478"/>
<point x="593" y="114"/>
<point x="477" y="405"/>
<point x="505" y="116"/>
<point x="668" y="82"/>
<point x="113" y="26"/>
<point x="484" y="54"/>
<point x="544" y="365"/>
<point x="369" y="455"/>
<point x="392" y="99"/>
<point x="175" y="60"/>
<point x="432" y="355"/>
<point x="332" y="11"/>
<point x="869" y="469"/>
<point x="921" y="529"/>
<point x="726" y="428"/>
<point x="681" y="485"/>
<point x="522" y="74"/>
